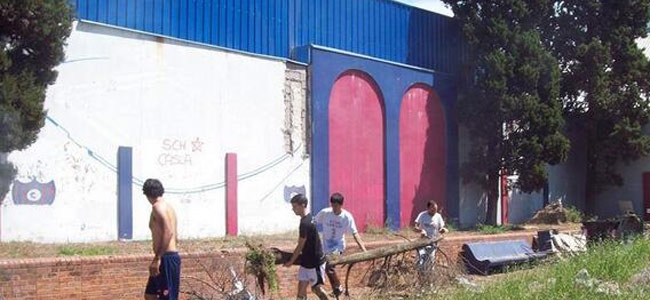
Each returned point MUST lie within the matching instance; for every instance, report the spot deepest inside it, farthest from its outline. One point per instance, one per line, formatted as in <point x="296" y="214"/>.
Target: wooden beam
<point x="381" y="252"/>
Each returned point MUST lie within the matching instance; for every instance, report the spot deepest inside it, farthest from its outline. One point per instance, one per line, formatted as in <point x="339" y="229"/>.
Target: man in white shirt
<point x="333" y="223"/>
<point x="429" y="224"/>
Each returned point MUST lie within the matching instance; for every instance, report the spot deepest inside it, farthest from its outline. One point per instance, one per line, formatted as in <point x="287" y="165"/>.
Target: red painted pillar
<point x="504" y="197"/>
<point x="231" y="194"/>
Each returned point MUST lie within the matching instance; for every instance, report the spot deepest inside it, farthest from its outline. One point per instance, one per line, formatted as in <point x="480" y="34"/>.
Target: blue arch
<point x="393" y="80"/>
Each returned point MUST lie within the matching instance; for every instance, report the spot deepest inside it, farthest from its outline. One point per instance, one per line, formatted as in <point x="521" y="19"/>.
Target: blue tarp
<point x="483" y="257"/>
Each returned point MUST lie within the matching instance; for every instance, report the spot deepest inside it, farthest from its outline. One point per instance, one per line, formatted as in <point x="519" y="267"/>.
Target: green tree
<point x="32" y="38"/>
<point x="605" y="81"/>
<point x="510" y="104"/>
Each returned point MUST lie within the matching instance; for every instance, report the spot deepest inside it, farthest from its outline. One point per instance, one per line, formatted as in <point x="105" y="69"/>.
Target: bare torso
<point x="157" y="226"/>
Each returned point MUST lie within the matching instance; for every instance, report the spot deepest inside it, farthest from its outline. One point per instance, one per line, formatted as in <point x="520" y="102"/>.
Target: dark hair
<point x="431" y="202"/>
<point x="300" y="199"/>
<point x="153" y="188"/>
<point x="336" y="198"/>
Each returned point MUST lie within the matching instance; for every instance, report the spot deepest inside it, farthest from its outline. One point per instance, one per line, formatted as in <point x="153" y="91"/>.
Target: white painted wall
<point x="473" y="200"/>
<point x="522" y="206"/>
<point x="181" y="107"/>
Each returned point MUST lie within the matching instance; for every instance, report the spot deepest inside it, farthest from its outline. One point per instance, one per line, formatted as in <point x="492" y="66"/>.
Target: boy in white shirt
<point x="333" y="223"/>
<point x="429" y="224"/>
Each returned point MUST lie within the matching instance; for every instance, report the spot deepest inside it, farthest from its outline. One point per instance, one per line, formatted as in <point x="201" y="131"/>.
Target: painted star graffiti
<point x="197" y="145"/>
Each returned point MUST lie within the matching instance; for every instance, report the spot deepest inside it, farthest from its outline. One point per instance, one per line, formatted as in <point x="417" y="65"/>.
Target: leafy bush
<point x="573" y="214"/>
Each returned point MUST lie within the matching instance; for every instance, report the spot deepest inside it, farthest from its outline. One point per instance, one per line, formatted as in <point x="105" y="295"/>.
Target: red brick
<point x="124" y="277"/>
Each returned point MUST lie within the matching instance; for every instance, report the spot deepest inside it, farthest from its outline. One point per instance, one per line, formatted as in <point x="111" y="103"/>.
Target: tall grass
<point x="612" y="261"/>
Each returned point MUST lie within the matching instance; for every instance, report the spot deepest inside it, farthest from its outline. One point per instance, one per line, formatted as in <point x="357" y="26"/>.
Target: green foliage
<point x="573" y="215"/>
<point x="510" y="100"/>
<point x="32" y="37"/>
<point x="612" y="262"/>
<point x="496" y="229"/>
<point x="85" y="251"/>
<point x="7" y="173"/>
<point x="605" y="81"/>
<point x="451" y="227"/>
<point x="533" y="64"/>
<point x="261" y="263"/>
<point x="490" y="229"/>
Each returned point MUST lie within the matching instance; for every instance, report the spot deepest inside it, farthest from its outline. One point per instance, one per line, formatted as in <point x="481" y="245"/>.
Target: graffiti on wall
<point x="33" y="192"/>
<point x="178" y="152"/>
<point x="292" y="190"/>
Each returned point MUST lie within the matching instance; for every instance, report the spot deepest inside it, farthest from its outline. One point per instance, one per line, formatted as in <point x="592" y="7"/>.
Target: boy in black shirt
<point x="310" y="249"/>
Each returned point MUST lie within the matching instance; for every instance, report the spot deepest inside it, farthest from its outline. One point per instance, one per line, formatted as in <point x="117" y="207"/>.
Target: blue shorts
<point x="166" y="284"/>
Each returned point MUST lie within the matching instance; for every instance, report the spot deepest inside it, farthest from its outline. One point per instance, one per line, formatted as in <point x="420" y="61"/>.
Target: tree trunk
<point x="283" y="256"/>
<point x="492" y="198"/>
<point x="381" y="252"/>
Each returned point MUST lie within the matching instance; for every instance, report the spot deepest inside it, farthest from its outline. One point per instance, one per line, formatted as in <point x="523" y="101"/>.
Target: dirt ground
<point x="14" y="250"/>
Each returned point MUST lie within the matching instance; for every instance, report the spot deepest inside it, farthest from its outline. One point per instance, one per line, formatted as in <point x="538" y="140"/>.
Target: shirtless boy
<point x="165" y="269"/>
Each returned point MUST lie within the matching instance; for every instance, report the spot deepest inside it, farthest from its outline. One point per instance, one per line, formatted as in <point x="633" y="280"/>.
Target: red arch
<point x="356" y="147"/>
<point x="422" y="152"/>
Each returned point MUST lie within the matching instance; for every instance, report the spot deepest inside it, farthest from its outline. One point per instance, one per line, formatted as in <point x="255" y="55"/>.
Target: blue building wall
<point x="374" y="34"/>
<point x="379" y="28"/>
<point x="393" y="82"/>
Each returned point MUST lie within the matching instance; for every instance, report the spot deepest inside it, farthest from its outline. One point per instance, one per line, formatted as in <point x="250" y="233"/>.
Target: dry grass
<point x="11" y="250"/>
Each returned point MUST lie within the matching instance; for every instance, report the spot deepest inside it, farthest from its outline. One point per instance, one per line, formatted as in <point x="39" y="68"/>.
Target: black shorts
<point x="166" y="284"/>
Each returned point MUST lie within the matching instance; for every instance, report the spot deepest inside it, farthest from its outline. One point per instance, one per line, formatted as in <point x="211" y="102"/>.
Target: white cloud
<point x="430" y="5"/>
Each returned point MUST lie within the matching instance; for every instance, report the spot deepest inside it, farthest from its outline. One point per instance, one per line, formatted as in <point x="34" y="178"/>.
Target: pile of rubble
<point x="553" y="214"/>
<point x="619" y="227"/>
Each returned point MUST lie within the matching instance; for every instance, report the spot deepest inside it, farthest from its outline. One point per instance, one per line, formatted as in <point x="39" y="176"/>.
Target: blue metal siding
<point x="379" y="28"/>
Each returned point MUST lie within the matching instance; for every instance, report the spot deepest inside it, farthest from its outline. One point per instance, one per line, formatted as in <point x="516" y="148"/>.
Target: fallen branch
<point x="204" y="282"/>
<point x="261" y="264"/>
<point x="381" y="252"/>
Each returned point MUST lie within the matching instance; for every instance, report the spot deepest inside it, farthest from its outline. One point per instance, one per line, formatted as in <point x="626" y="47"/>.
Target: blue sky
<point x="432" y="5"/>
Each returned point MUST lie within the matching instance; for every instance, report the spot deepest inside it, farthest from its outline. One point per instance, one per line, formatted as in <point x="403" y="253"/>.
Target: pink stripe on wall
<point x="231" y="193"/>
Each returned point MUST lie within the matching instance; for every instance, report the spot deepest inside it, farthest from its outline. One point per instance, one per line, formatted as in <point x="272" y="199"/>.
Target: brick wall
<point x="124" y="277"/>
<point x="296" y="126"/>
<point x="121" y="277"/>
